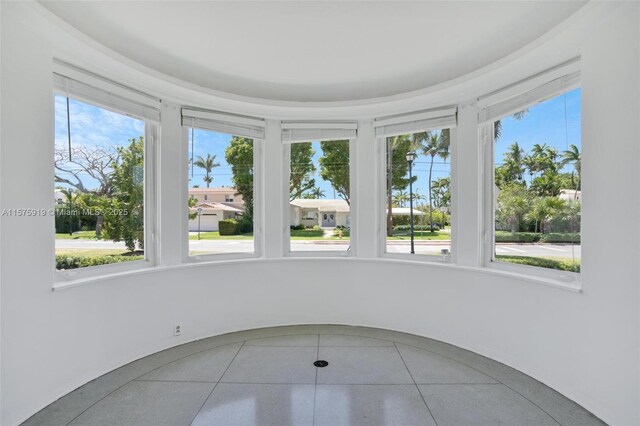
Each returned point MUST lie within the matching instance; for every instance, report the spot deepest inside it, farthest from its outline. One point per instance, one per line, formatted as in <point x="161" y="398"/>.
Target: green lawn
<point x="421" y="235"/>
<point x="306" y="234"/>
<point x="561" y="264"/>
<point x="80" y="235"/>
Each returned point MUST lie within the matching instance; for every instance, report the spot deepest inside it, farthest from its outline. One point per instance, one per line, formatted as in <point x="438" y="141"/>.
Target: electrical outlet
<point x="177" y="330"/>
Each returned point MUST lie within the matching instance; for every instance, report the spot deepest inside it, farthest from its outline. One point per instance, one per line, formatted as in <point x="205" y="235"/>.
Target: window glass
<point x="418" y="189"/>
<point x="319" y="196"/>
<point x="537" y="190"/>
<point x="99" y="186"/>
<point x="220" y="189"/>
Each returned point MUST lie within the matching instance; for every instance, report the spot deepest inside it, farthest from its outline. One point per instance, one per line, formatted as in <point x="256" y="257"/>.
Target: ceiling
<point x="313" y="51"/>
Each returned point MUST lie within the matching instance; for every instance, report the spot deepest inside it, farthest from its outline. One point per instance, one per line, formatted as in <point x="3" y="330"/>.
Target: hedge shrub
<point x="556" y="237"/>
<point x="416" y="228"/>
<point x="533" y="237"/>
<point x="245" y="225"/>
<point x="75" y="261"/>
<point x="517" y="237"/>
<point x="228" y="227"/>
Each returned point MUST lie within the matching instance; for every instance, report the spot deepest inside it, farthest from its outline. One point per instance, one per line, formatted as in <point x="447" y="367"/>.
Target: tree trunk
<point x="430" y="201"/>
<point x="390" y="187"/>
<point x="99" y="226"/>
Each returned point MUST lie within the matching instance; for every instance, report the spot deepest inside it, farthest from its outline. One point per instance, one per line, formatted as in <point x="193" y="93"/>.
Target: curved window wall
<point x="534" y="143"/>
<point x="529" y="145"/>
<point x="319" y="198"/>
<point x="103" y="175"/>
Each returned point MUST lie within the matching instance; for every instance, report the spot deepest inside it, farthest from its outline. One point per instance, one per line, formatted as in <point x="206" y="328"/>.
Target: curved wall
<point x="585" y="345"/>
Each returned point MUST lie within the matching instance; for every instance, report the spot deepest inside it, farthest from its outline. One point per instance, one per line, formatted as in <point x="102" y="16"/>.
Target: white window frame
<point x="500" y="104"/>
<point x="222" y="122"/>
<point x="100" y="92"/>
<point x="318" y="131"/>
<point x="435" y="119"/>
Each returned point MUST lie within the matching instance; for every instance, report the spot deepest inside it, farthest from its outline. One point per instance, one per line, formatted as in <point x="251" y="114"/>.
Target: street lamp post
<point x="199" y="210"/>
<point x="411" y="155"/>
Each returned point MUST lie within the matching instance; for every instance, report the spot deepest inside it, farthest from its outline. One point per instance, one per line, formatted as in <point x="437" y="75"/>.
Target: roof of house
<point x="405" y="211"/>
<point x="322" y="205"/>
<point x="210" y="206"/>
<point x="220" y="189"/>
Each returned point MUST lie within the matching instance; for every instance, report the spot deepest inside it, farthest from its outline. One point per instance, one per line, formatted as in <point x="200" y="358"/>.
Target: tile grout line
<point x="217" y="383"/>
<point x="415" y="384"/>
<point x="181" y="358"/>
<point x="488" y="375"/>
<point x="539" y="407"/>
<point x="135" y="379"/>
<point x="435" y="351"/>
<point x="315" y="386"/>
<point x="100" y="399"/>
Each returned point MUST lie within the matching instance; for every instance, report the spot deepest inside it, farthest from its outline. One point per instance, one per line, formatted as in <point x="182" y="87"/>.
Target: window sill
<point x="420" y="258"/>
<point x="520" y="273"/>
<point x="320" y="254"/>
<point x="75" y="277"/>
<point x="554" y="278"/>
<point x="219" y="257"/>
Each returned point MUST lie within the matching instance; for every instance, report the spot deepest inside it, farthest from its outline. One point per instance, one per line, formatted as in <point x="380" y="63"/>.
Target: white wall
<point x="586" y="345"/>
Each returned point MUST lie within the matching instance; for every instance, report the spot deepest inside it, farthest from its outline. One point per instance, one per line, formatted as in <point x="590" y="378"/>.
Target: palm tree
<point x="573" y="156"/>
<point x="70" y="197"/>
<point x="544" y="209"/>
<point x="208" y="164"/>
<point x="436" y="143"/>
<point x="317" y="193"/>
<point x="400" y="198"/>
<point x="395" y="173"/>
<point x="513" y="203"/>
<point x="529" y="163"/>
<point x="513" y="160"/>
<point x="497" y="125"/>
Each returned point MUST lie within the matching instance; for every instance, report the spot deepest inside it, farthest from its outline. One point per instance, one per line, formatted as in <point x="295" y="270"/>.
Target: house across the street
<point x="321" y="212"/>
<point x="214" y="205"/>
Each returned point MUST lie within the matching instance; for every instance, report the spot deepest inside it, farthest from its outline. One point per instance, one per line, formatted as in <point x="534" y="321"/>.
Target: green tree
<point x="543" y="209"/>
<point x="314" y="194"/>
<point x="71" y="198"/>
<point x="400" y="199"/>
<point x="441" y="189"/>
<point x="547" y="185"/>
<point x="511" y="171"/>
<point x="397" y="148"/>
<point x="574" y="157"/>
<point x="334" y="166"/>
<point x="302" y="169"/>
<point x="239" y="155"/>
<point x="192" y="202"/>
<point x="208" y="164"/>
<point x="124" y="211"/>
<point x="434" y="143"/>
<point x="513" y="203"/>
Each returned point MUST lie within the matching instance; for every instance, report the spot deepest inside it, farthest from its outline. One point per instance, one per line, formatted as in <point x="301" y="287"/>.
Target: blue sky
<point x="92" y="127"/>
<point x="97" y="127"/>
<point x="544" y="123"/>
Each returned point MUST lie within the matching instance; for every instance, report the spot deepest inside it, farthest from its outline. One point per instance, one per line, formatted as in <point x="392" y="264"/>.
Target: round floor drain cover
<point x="321" y="363"/>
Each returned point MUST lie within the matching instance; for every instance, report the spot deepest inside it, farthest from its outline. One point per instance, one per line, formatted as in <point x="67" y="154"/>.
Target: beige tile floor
<point x="267" y="377"/>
